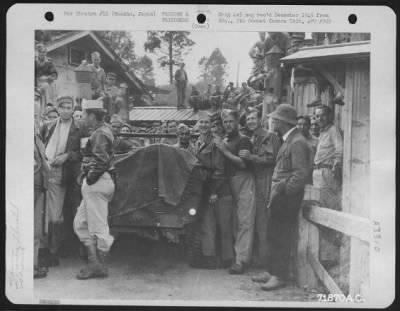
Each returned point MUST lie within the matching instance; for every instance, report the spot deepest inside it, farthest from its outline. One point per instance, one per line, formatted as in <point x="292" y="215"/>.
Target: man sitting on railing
<point x="288" y="182"/>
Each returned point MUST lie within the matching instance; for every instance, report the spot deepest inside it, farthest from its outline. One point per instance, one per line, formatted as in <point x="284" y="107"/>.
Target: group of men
<point x="267" y="172"/>
<point x="73" y="185"/>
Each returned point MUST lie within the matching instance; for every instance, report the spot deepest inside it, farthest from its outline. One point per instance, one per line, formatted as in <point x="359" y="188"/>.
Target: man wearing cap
<point x="183" y="134"/>
<point x="288" y="182"/>
<point x="181" y="81"/>
<point x="43" y="65"/>
<point x="99" y="79"/>
<point x="62" y="140"/>
<point x="90" y="223"/>
<point x="242" y="184"/>
<point x="262" y="158"/>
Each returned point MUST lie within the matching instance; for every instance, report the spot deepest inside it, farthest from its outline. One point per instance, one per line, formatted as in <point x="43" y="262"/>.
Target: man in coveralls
<point x="90" y="222"/>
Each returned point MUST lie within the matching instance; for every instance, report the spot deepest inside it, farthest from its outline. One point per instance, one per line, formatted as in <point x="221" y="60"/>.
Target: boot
<point x="103" y="258"/>
<point x="94" y="268"/>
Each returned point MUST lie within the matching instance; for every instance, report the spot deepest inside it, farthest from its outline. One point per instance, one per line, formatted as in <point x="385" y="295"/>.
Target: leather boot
<point x="94" y="268"/>
<point x="103" y="258"/>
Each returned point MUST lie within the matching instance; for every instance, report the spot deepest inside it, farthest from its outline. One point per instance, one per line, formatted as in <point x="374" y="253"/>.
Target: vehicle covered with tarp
<point x="158" y="193"/>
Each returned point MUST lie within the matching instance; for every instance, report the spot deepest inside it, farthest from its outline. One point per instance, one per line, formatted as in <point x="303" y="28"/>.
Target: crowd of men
<point x="253" y="189"/>
<point x="256" y="173"/>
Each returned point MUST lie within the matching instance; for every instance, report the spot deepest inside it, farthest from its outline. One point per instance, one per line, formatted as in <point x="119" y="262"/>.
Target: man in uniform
<point x="327" y="177"/>
<point x="181" y="81"/>
<point x="242" y="184"/>
<point x="328" y="160"/>
<point x="90" y="223"/>
<point x="288" y="182"/>
<point x="262" y="158"/>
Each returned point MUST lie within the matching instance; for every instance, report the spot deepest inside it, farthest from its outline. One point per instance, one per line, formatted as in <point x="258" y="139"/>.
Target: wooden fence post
<point x="308" y="240"/>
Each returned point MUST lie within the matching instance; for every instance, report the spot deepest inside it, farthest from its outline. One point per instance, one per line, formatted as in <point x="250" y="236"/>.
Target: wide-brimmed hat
<point x="285" y="113"/>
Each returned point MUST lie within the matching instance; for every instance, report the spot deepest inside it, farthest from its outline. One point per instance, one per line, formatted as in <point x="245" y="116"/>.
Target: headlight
<point x="192" y="212"/>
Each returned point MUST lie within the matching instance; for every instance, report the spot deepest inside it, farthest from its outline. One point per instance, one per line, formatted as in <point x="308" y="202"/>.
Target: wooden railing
<point x="312" y="219"/>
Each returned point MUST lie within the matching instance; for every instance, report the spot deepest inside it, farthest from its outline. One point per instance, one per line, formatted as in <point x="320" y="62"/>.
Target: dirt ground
<point x="142" y="269"/>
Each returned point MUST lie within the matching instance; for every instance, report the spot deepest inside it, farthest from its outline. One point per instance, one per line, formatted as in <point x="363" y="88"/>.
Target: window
<point x="76" y="56"/>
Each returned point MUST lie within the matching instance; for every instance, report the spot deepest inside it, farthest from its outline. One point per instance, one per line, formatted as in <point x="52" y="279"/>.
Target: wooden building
<point x="68" y="50"/>
<point x="340" y="74"/>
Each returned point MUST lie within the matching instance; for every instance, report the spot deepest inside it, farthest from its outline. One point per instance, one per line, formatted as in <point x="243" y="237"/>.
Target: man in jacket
<point x="262" y="159"/>
<point x="288" y="182"/>
<point x="62" y="140"/>
<point x="90" y="223"/>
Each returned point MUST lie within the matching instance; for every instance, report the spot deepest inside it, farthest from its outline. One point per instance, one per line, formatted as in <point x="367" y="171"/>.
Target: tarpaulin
<point x="150" y="174"/>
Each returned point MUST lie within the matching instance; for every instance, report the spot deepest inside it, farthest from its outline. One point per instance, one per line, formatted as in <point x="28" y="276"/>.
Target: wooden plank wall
<point x="356" y="120"/>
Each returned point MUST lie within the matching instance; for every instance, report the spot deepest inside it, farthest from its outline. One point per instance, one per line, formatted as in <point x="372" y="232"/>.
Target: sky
<point x="234" y="46"/>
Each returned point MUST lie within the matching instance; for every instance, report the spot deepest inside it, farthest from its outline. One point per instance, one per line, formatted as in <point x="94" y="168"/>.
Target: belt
<point x="319" y="166"/>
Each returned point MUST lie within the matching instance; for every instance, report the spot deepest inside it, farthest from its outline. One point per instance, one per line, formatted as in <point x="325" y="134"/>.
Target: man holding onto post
<point x="90" y="223"/>
<point x="242" y="184"/>
<point x="288" y="182"/>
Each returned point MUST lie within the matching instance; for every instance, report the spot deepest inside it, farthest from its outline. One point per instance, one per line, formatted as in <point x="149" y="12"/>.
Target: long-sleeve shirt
<point x="330" y="146"/>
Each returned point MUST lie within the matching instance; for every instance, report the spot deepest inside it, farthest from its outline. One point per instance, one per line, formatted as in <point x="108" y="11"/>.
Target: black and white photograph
<point x="198" y="167"/>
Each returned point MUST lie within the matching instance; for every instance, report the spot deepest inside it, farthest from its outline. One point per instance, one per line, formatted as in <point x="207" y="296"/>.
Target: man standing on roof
<point x="99" y="77"/>
<point x="181" y="81"/>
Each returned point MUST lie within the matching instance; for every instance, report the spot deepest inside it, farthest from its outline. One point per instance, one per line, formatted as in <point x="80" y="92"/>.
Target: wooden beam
<point x="346" y="223"/>
<point x="305" y="276"/>
<point x="323" y="275"/>
<point x="327" y="75"/>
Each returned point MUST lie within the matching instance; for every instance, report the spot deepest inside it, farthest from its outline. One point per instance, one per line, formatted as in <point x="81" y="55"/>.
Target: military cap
<point x="64" y="100"/>
<point x="92" y="104"/>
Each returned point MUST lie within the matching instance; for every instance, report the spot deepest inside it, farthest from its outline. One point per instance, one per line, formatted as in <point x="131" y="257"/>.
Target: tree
<point x="213" y="68"/>
<point x="143" y="67"/>
<point x="121" y="43"/>
<point x="172" y="45"/>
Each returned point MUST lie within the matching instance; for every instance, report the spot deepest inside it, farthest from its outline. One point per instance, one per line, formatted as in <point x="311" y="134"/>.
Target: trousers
<point x="281" y="223"/>
<point x="90" y="222"/>
<point x="39" y="205"/>
<point x="218" y="215"/>
<point x="54" y="205"/>
<point x="181" y="89"/>
<point x="243" y="189"/>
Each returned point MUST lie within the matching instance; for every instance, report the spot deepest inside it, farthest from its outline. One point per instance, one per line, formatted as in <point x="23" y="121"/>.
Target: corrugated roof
<point x="329" y="52"/>
<point x="163" y="114"/>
